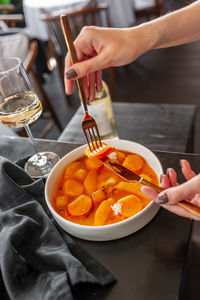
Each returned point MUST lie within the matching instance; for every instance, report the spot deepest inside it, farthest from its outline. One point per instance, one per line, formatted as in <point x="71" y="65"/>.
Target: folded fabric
<point x="38" y="259"/>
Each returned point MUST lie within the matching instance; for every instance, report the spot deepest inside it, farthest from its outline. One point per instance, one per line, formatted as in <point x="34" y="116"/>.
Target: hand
<point x="174" y="192"/>
<point x="99" y="48"/>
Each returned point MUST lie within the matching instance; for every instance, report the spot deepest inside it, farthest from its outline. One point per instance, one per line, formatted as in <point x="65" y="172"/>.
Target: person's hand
<point x="173" y="192"/>
<point x="99" y="48"/>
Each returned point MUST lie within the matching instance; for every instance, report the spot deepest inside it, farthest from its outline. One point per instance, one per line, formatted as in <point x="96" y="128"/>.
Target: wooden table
<point x="167" y="127"/>
<point x="160" y="261"/>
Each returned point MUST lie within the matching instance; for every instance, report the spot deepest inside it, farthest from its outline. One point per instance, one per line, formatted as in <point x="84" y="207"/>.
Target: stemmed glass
<point x="19" y="107"/>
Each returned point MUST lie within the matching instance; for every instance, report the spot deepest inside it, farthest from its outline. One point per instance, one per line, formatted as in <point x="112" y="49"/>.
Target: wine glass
<point x="19" y="107"/>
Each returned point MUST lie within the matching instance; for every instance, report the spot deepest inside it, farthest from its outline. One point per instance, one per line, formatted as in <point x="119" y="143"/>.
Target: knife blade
<point x="131" y="176"/>
<point x="127" y="174"/>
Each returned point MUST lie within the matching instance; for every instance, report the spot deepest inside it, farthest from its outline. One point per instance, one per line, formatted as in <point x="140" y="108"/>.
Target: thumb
<point x="181" y="192"/>
<point x="85" y="67"/>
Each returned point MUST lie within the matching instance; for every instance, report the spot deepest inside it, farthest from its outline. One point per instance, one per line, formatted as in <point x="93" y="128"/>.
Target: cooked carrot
<point x="98" y="197"/>
<point x="61" y="201"/>
<point x="73" y="187"/>
<point x="80" y="174"/>
<point x="80" y="207"/>
<point x="133" y="162"/>
<point x="130" y="205"/>
<point x="112" y="180"/>
<point x="90" y="182"/>
<point x="120" y="156"/>
<point x="146" y="177"/>
<point x="71" y="169"/>
<point x="128" y="187"/>
<point x="92" y="164"/>
<point x="102" y="213"/>
<point x="100" y="153"/>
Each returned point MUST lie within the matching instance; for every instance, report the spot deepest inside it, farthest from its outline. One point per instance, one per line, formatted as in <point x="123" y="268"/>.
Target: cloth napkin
<point x="38" y="260"/>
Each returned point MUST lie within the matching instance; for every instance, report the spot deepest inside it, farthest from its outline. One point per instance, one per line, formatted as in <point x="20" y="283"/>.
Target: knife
<point x="130" y="176"/>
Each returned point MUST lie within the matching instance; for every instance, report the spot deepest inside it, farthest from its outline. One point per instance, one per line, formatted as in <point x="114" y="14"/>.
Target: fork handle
<point x="186" y="205"/>
<point x="70" y="46"/>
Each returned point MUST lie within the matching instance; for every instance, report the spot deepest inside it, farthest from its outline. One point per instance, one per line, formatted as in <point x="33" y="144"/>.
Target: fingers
<point x="92" y="89"/>
<point x="151" y="194"/>
<point x="164" y="181"/>
<point x="85" y="67"/>
<point x="69" y="84"/>
<point x="99" y="85"/>
<point x="181" y="192"/>
<point x="186" y="169"/>
<point x="172" y="177"/>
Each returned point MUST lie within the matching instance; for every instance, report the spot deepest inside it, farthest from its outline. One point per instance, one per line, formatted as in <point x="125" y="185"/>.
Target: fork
<point x="89" y="125"/>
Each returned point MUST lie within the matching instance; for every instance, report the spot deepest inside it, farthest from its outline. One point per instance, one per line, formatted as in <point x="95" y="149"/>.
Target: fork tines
<point x="91" y="133"/>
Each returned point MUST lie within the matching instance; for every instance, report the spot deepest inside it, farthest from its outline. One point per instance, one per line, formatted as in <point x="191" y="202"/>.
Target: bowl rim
<point x="91" y="227"/>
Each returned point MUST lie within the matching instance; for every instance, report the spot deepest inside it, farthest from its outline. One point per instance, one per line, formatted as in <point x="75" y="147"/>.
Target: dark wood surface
<point x="151" y="263"/>
<point x="165" y="127"/>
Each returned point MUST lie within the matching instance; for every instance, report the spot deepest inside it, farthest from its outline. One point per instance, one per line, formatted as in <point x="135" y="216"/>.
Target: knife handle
<point x="153" y="186"/>
<point x="186" y="205"/>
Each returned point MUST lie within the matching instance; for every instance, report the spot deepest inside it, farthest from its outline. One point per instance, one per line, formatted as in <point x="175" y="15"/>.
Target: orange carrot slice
<point x="128" y="187"/>
<point x="98" y="197"/>
<point x="73" y="187"/>
<point x="80" y="174"/>
<point x="93" y="164"/>
<point x="133" y="162"/>
<point x="146" y="177"/>
<point x="100" y="153"/>
<point x="61" y="201"/>
<point x="130" y="205"/>
<point x="102" y="213"/>
<point x="120" y="156"/>
<point x="90" y="182"/>
<point x="71" y="169"/>
<point x="80" y="207"/>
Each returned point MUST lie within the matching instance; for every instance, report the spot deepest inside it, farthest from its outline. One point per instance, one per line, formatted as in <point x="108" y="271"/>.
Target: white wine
<point x="20" y="109"/>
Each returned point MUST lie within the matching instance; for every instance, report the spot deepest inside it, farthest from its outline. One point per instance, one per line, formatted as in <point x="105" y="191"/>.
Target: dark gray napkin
<point x="38" y="260"/>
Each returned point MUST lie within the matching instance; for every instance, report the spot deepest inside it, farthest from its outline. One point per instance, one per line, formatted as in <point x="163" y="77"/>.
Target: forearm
<point x="176" y="28"/>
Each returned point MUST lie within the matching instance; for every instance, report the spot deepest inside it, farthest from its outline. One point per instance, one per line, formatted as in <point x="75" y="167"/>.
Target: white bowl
<point x="106" y="232"/>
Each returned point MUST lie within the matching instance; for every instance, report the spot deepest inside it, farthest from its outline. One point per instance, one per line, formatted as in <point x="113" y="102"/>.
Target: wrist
<point x="144" y="38"/>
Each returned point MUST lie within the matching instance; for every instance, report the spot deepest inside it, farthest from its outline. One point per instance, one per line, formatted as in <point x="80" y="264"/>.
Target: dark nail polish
<point x="161" y="178"/>
<point x="71" y="74"/>
<point x="162" y="199"/>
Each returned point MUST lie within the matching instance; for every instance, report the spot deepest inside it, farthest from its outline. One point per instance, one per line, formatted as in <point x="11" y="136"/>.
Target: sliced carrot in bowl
<point x="80" y="207"/>
<point x="100" y="152"/>
<point x="130" y="205"/>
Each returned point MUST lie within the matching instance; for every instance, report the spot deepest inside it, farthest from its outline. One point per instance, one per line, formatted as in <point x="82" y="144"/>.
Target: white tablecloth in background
<point x="121" y="13"/>
<point x="33" y="10"/>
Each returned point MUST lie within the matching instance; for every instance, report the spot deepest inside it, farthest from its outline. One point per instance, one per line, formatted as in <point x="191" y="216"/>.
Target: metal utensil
<point x="130" y="176"/>
<point x="89" y="125"/>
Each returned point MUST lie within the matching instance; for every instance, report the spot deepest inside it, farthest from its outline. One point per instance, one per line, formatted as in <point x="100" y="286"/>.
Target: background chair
<point x="94" y="14"/>
<point x="148" y="9"/>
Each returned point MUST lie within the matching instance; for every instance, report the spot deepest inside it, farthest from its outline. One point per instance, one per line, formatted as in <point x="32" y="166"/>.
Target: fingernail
<point x="71" y="74"/>
<point x="181" y="163"/>
<point x="162" y="199"/>
<point x="167" y="172"/>
<point x="161" y="178"/>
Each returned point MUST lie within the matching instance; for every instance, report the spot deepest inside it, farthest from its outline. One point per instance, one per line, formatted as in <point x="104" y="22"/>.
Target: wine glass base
<point x="41" y="164"/>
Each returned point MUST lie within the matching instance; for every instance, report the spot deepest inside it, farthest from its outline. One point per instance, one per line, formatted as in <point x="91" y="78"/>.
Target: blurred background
<point x="30" y="29"/>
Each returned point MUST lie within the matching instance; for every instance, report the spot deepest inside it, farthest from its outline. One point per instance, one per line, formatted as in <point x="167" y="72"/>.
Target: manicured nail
<point x="167" y="172"/>
<point x="71" y="74"/>
<point x="161" y="178"/>
<point x="162" y="199"/>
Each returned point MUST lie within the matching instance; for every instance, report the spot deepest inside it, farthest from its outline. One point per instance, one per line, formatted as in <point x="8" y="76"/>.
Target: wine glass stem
<point x="32" y="140"/>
